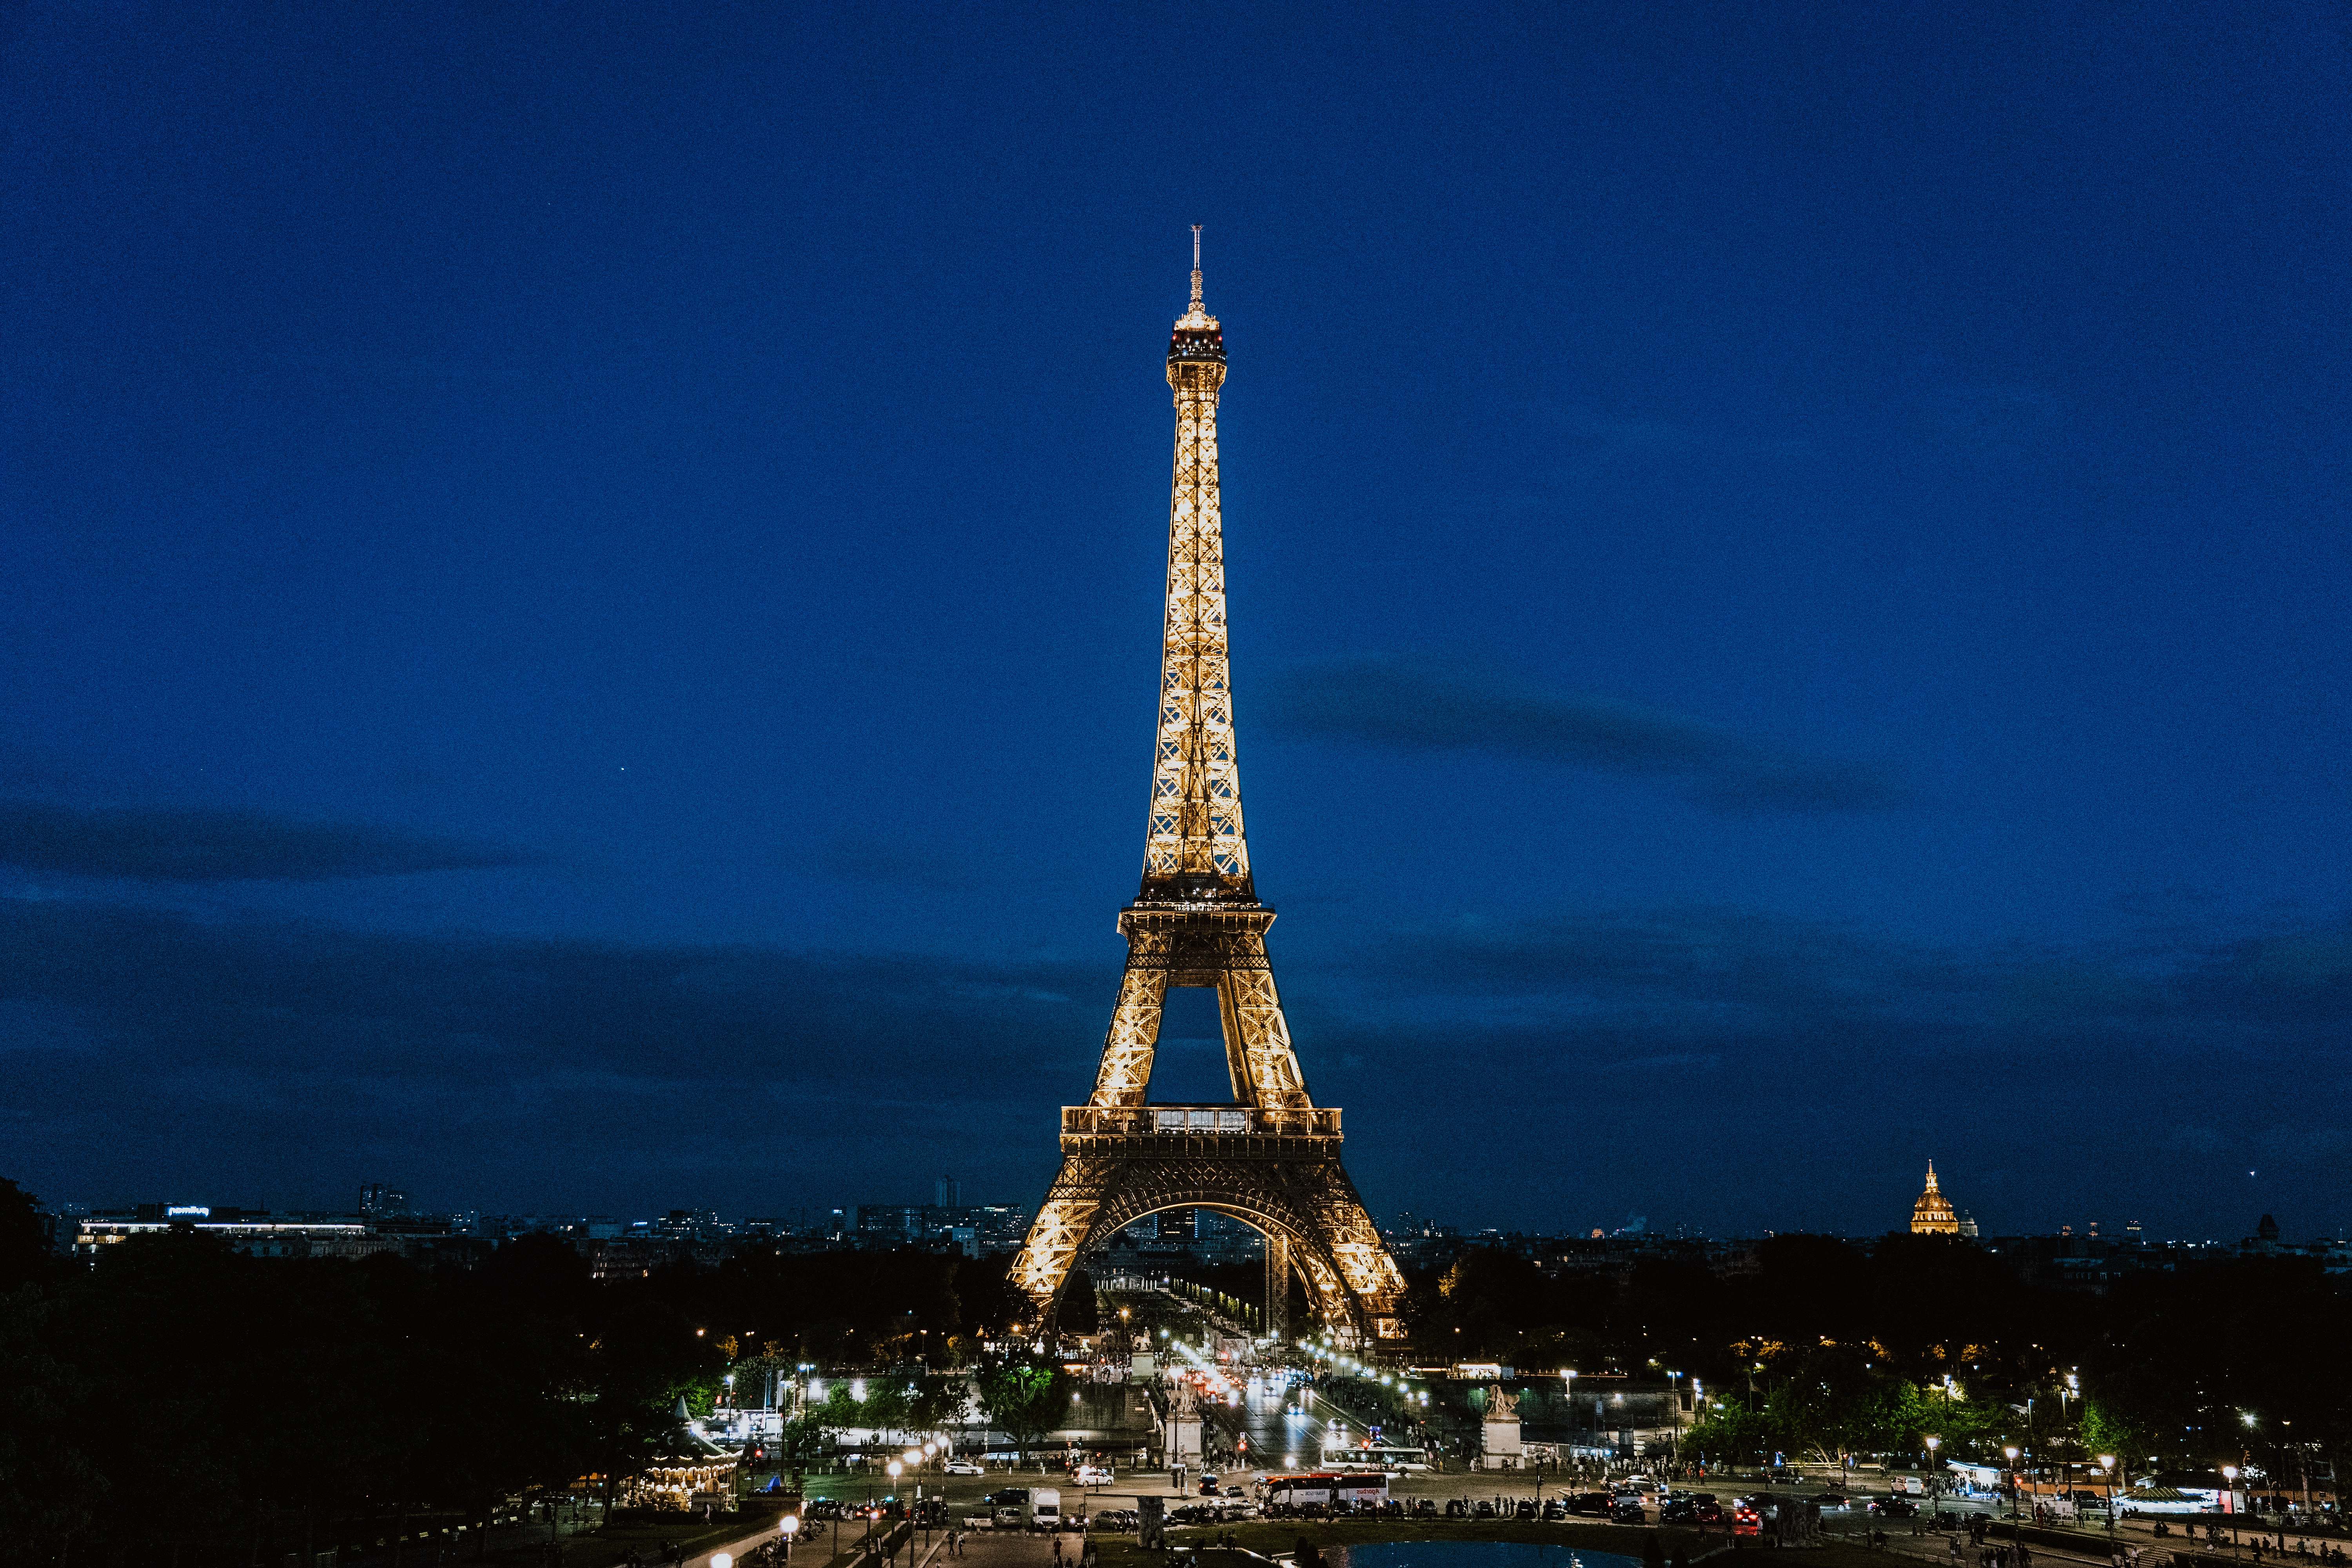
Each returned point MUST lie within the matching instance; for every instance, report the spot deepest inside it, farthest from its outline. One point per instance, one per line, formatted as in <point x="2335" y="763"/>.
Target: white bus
<point x="1377" y="1457"/>
<point x="1325" y="1488"/>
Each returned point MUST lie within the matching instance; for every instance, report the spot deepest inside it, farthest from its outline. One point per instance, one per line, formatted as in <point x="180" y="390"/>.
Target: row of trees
<point x="1821" y="1347"/>
<point x="183" y="1401"/>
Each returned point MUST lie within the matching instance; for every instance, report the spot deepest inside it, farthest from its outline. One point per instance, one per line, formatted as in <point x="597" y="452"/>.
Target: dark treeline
<point x="181" y="1402"/>
<point x="1824" y="1347"/>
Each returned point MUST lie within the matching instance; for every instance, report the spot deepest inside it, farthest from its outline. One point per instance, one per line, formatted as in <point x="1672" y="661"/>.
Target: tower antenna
<point x="1196" y="267"/>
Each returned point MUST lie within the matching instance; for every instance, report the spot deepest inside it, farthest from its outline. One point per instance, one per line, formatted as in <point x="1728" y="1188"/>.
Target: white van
<point x="1045" y="1509"/>
<point x="1092" y="1476"/>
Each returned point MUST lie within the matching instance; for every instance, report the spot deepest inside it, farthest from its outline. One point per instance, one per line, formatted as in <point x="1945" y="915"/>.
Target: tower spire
<point x="1193" y="848"/>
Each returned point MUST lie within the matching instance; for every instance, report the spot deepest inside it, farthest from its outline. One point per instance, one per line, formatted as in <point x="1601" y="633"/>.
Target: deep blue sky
<point x="583" y="582"/>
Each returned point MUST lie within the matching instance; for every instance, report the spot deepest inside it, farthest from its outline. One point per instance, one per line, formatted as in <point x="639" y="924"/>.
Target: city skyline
<point x="586" y="601"/>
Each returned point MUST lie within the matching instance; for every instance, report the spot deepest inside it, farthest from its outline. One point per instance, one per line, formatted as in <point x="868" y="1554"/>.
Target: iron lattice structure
<point x="1271" y="1157"/>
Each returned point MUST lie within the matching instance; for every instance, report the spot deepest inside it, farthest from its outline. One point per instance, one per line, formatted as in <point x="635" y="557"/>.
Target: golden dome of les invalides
<point x="1932" y="1214"/>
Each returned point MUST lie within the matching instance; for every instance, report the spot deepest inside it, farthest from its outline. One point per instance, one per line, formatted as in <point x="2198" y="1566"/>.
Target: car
<point x="1830" y="1502"/>
<point x="1230" y="1491"/>
<point x="1485" y="1509"/>
<point x="1594" y="1505"/>
<point x="1628" y="1510"/>
<point x="1707" y="1510"/>
<point x="1893" y="1506"/>
<point x="1091" y="1476"/>
<point x="963" y="1468"/>
<point x="1678" y="1510"/>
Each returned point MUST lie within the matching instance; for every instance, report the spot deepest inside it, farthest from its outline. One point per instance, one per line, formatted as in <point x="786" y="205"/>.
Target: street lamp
<point x="790" y="1526"/>
<point x="2107" y="1463"/>
<point x="1933" y="1443"/>
<point x="2230" y="1474"/>
<point x="2016" y="1495"/>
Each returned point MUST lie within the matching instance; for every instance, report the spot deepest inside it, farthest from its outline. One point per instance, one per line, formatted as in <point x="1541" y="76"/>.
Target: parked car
<point x="1707" y="1510"/>
<point x="1628" y="1510"/>
<point x="1593" y="1505"/>
<point x="1832" y="1502"/>
<point x="963" y="1468"/>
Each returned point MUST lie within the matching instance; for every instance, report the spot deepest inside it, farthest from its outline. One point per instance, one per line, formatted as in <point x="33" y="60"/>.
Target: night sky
<point x="582" y="597"/>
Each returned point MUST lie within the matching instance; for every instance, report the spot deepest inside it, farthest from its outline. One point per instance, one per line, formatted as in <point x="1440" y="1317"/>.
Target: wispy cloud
<point x="1672" y="984"/>
<point x="182" y="844"/>
<point x="1416" y="706"/>
<point x="132" y="1034"/>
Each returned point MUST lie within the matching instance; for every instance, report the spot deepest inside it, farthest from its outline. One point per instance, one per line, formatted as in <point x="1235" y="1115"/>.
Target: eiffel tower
<point x="1271" y="1157"/>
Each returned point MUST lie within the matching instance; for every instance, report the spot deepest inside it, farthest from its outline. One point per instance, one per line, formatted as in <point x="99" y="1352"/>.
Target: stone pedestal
<point x="1500" y="1449"/>
<point x="1184" y="1426"/>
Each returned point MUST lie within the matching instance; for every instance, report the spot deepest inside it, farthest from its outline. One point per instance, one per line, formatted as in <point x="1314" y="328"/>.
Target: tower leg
<point x="1277" y="1286"/>
<point x="1064" y="1220"/>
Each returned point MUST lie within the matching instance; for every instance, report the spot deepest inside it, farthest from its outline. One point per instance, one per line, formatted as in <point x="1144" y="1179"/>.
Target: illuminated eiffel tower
<point x="1271" y="1157"/>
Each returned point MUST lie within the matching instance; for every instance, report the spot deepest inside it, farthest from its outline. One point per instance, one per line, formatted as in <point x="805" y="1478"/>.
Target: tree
<point x="887" y="1405"/>
<point x="940" y="1400"/>
<point x="24" y="1250"/>
<point x="1080" y="1314"/>
<point x="1027" y="1399"/>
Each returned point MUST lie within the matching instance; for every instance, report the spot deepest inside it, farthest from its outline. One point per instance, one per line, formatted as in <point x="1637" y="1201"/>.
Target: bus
<point x="1323" y="1488"/>
<point x="1377" y="1457"/>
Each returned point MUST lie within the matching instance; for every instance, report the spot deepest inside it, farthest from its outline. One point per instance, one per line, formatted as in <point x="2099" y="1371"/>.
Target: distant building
<point x="377" y="1197"/>
<point x="1932" y="1214"/>
<point x="948" y="1192"/>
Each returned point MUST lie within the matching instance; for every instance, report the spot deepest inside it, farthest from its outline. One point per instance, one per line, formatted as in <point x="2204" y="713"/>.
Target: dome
<point x="1932" y="1214"/>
